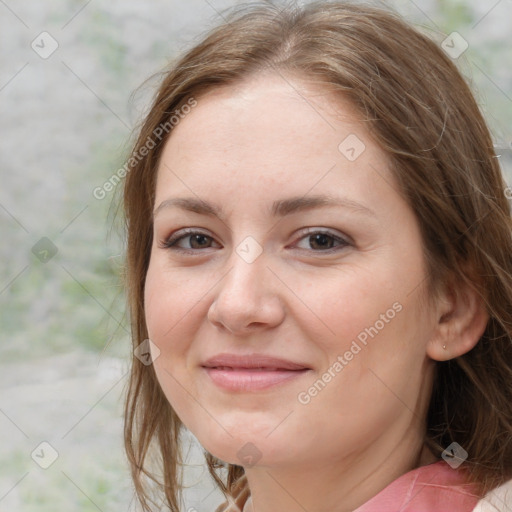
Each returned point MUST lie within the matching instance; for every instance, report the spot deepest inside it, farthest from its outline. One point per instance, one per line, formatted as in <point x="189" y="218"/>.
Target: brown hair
<point x="423" y="115"/>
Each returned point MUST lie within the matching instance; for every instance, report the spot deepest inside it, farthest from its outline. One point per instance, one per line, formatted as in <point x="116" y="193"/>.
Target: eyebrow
<point x="280" y="208"/>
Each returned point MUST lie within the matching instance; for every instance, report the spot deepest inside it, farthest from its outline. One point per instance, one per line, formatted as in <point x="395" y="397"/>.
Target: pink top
<point x="435" y="487"/>
<point x="432" y="488"/>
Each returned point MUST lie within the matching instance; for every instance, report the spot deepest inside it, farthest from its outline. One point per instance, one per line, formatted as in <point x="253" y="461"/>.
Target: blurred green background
<point x="67" y="121"/>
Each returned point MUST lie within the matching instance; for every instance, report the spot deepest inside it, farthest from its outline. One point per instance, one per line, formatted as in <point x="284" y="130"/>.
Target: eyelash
<point x="170" y="243"/>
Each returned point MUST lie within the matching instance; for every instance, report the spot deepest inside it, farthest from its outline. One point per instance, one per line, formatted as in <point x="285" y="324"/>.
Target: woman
<point x="319" y="269"/>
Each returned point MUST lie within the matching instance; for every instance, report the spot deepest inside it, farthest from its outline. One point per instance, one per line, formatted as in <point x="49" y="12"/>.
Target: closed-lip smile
<point x="252" y="372"/>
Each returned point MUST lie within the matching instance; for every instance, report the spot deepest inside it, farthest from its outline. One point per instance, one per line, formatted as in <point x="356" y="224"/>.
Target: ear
<point x="461" y="321"/>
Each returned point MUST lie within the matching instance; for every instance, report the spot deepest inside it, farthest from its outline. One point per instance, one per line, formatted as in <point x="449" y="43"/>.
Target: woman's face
<point x="285" y="290"/>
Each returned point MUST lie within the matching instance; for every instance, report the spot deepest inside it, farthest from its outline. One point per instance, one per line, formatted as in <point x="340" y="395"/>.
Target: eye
<point x="194" y="240"/>
<point x="324" y="241"/>
<point x="317" y="240"/>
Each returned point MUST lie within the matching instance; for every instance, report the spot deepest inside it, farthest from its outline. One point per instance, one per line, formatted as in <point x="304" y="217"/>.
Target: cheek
<point x="346" y="305"/>
<point x="170" y="302"/>
<point x="369" y="317"/>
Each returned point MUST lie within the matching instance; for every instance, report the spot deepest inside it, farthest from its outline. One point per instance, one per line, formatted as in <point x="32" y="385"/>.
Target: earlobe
<point x="461" y="320"/>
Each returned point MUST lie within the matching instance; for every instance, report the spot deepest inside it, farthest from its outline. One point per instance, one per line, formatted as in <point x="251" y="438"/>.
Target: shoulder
<point x="499" y="499"/>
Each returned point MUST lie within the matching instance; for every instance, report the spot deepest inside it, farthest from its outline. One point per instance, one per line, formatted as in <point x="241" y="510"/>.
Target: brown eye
<point x="193" y="240"/>
<point x="198" y="241"/>
<point x="323" y="241"/>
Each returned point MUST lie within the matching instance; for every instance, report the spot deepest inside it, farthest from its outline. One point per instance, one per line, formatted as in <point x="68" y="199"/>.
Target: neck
<point x="341" y="486"/>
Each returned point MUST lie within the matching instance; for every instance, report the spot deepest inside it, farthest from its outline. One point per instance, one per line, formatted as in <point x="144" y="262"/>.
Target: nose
<point x="247" y="298"/>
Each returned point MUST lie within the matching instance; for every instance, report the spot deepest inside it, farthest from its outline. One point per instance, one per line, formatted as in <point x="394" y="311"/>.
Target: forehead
<point x="267" y="134"/>
<point x="265" y="109"/>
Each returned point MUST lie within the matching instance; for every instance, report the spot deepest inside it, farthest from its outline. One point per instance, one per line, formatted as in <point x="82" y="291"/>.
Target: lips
<point x="252" y="362"/>
<point x="251" y="372"/>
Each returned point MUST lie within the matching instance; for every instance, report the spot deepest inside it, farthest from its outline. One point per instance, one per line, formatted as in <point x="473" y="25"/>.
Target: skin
<point x="242" y="148"/>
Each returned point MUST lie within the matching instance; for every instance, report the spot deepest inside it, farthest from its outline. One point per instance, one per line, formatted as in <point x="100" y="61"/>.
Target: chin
<point x="246" y="450"/>
<point x="241" y="437"/>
